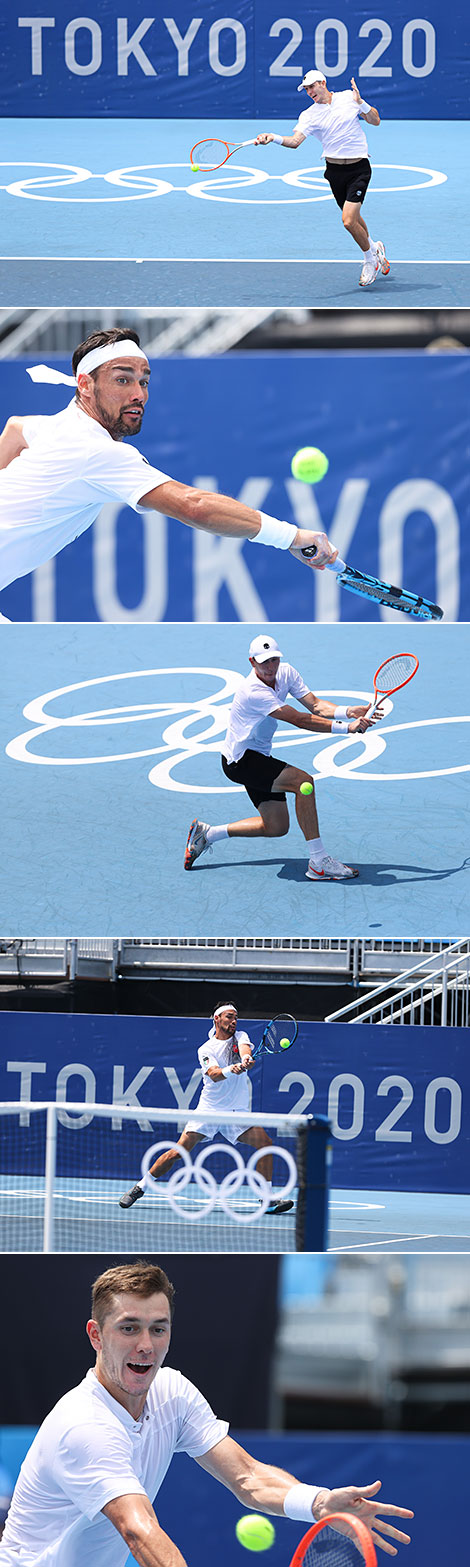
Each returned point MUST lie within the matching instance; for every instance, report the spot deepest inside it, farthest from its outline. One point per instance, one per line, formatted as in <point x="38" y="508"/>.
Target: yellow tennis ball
<point x="306" y="788"/>
<point x="284" y="1043"/>
<point x="309" y="464"/>
<point x="195" y="168"/>
<point x="255" y="1532"/>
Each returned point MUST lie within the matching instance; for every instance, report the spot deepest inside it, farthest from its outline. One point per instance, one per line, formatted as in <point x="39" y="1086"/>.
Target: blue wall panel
<point x="245" y="59"/>
<point x="412" y="1470"/>
<point x="398" y="1098"/>
<point x="395" y="499"/>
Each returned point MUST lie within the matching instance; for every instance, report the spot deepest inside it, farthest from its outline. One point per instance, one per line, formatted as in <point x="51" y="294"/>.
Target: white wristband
<point x="279" y="534"/>
<point x="364" y="107"/>
<point x="339" y="727"/>
<point x="299" y="1502"/>
<point x="340" y="712"/>
<point x="226" y="1070"/>
<point x="279" y="139"/>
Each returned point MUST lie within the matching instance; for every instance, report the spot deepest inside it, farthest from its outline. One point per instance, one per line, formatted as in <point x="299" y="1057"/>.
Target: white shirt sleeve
<point x="206" y="1057"/>
<point x="123" y="472"/>
<point x="297" y="686"/>
<point x="93" y="1466"/>
<point x="199" y="1428"/>
<point x="33" y="425"/>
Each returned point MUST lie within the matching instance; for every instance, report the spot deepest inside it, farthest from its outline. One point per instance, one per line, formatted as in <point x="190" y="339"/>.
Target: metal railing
<point x="436" y="991"/>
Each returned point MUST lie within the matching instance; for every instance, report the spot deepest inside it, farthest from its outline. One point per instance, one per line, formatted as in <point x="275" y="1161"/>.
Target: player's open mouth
<point x="143" y="1370"/>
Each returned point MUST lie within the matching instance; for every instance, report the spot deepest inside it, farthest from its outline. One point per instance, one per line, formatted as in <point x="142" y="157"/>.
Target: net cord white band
<point x="299" y="1502"/>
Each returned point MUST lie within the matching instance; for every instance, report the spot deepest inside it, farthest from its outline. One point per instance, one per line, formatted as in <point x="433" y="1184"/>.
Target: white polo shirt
<point x="56" y="487"/>
<point x="234" y="1092"/>
<point x="88" y="1451"/>
<point x="337" y="126"/>
<point x="250" y="726"/>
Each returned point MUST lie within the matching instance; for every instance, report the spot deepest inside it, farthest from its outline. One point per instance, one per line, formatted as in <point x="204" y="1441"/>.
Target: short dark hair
<point x="118" y="334"/>
<point x="131" y="1278"/>
<point x="225" y="1004"/>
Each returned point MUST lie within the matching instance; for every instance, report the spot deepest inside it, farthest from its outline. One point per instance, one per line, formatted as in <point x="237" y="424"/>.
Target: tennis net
<point x="64" y="1168"/>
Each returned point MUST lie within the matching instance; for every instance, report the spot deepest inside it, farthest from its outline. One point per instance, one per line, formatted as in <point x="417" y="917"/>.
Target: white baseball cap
<point x="262" y="648"/>
<point x="310" y="78"/>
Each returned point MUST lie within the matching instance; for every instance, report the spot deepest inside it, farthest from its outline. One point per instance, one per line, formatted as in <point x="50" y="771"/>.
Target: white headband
<point x="224" y="1009"/>
<point x="97" y="356"/>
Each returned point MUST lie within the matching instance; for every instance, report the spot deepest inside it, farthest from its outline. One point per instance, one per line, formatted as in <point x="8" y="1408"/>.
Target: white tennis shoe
<point x="196" y="844"/>
<point x="330" y="870"/>
<point x="380" y="252"/>
<point x="369" y="271"/>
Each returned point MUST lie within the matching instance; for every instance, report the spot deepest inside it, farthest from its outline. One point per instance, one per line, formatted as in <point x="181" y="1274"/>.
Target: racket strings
<point x="281" y="1027"/>
<point x="333" y="1550"/>
<point x="395" y="672"/>
<point x="210" y="154"/>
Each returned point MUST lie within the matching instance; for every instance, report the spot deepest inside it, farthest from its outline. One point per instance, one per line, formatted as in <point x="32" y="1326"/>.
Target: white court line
<point x="367" y="1206"/>
<point x="397" y="1240"/>
<point x="244" y="261"/>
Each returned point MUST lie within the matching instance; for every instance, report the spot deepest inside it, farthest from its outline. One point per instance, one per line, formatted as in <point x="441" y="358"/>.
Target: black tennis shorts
<point x="348" y="181"/>
<point x="257" y="773"/>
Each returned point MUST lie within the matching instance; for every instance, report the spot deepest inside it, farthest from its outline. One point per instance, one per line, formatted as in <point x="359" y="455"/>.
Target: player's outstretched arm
<point x="265" y="1488"/>
<point x="222" y="515"/>
<point x="12" y="441"/>
<point x="284" y="141"/>
<point x="135" y="1520"/>
<point x="321" y="723"/>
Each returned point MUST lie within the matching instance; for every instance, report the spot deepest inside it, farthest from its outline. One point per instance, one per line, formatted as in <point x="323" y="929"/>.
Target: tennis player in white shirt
<point x="58" y="470"/>
<point x="259" y="705"/>
<point x="334" y="118"/>
<point x="225" y="1058"/>
<point x="85" y="1490"/>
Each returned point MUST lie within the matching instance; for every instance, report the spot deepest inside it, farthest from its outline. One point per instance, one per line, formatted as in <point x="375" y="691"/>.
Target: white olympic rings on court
<point x="144" y="181"/>
<point x="218" y="1192"/>
<point x="179" y="744"/>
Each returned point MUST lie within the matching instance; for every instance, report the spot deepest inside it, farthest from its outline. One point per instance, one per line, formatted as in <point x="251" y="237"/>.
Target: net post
<point x="313" y="1164"/>
<point x="49" y="1177"/>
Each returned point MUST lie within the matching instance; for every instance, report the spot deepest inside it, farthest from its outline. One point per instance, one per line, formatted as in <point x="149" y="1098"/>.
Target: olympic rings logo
<point x="215" y="1192"/>
<point x="196" y="728"/>
<point x="143" y="182"/>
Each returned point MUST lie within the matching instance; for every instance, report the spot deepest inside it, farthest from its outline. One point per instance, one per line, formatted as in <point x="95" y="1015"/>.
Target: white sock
<point x="316" y="850"/>
<point x="214" y="833"/>
<point x="370" y="253"/>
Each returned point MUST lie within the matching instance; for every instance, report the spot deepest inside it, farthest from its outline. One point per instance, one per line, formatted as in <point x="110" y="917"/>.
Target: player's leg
<point x="162" y="1166"/>
<point x="354" y="224"/>
<point x="256" y="773"/>
<point x="321" y="865"/>
<point x="258" y="1138"/>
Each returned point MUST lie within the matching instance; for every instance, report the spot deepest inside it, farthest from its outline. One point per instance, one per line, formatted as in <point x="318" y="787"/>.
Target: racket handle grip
<point x="337" y="565"/>
<point x="371" y="709"/>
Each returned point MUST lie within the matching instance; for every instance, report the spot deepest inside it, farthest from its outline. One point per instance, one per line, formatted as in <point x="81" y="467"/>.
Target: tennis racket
<point x="371" y="587"/>
<point x="325" y="1545"/>
<point x="283" y="1026"/>
<point x="391" y="676"/>
<point x="212" y="154"/>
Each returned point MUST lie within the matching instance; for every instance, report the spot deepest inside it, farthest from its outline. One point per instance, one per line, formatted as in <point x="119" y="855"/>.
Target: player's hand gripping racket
<point x="278" y="1035"/>
<point x="212" y="154"/>
<point x="390" y="676"/>
<point x="324" y="1546"/>
<point x="385" y="593"/>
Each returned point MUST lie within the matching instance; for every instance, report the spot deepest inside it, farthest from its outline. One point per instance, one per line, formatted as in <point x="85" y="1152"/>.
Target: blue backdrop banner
<point x="400" y="1115"/>
<point x="412" y="1468"/>
<point x="411" y="59"/>
<point x="395" y="500"/>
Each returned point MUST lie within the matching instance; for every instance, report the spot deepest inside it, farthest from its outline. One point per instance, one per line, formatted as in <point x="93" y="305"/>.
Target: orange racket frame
<point x="391" y="689"/>
<point x="361" y="1534"/>
<point x="230" y="147"/>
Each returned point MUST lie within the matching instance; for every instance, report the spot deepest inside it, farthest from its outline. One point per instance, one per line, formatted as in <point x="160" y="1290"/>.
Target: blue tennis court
<point x="110" y="745"/>
<point x="87" y="1217"/>
<point x="98" y="212"/>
